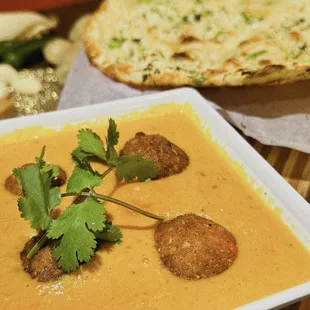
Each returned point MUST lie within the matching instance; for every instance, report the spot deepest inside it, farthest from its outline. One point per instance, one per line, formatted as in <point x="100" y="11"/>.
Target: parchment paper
<point x="274" y="115"/>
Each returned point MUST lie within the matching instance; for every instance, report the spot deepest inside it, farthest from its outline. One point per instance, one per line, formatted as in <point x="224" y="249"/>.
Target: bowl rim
<point x="284" y="195"/>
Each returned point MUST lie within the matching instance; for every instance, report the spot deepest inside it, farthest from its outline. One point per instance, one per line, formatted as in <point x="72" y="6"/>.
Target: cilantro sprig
<point x="127" y="167"/>
<point x="77" y="232"/>
<point x="39" y="196"/>
<point x="78" y="222"/>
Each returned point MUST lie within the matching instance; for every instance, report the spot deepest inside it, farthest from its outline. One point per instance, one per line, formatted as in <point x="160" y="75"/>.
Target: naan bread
<point x="201" y="42"/>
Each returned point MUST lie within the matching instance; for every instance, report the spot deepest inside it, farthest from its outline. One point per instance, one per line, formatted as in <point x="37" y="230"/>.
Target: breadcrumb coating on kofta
<point x="193" y="247"/>
<point x="42" y="266"/>
<point x="169" y="158"/>
<point x="12" y="185"/>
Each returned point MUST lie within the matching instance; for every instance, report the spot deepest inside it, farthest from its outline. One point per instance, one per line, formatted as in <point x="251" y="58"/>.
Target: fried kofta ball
<point x="60" y="179"/>
<point x="42" y="266"/>
<point x="169" y="158"/>
<point x="193" y="247"/>
<point x="12" y="185"/>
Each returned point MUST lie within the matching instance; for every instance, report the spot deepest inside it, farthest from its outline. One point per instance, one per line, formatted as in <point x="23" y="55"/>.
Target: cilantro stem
<point x="93" y="191"/>
<point x="118" y="202"/>
<point x="37" y="246"/>
<point x="126" y="205"/>
<point x="107" y="171"/>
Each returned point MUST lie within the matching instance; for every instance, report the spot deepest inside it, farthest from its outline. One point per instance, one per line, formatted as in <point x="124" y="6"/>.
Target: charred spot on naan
<point x="268" y="70"/>
<point x="295" y="36"/>
<point x="232" y="63"/>
<point x="265" y="62"/>
<point x="181" y="56"/>
<point x="186" y="39"/>
<point x="276" y="74"/>
<point x="212" y="76"/>
<point x="253" y="40"/>
<point x="122" y="68"/>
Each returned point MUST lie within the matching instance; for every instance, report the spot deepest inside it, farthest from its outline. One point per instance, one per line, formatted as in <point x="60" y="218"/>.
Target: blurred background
<point x="36" y="4"/>
<point x="36" y="57"/>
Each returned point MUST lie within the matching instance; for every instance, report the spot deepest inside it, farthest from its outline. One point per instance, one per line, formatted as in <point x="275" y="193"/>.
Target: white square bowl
<point x="295" y="210"/>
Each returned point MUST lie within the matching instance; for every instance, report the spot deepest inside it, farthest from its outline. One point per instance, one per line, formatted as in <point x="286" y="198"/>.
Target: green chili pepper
<point x="20" y="54"/>
<point x="7" y="46"/>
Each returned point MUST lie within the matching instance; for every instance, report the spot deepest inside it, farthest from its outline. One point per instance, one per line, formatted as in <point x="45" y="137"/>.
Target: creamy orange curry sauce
<point x="130" y="275"/>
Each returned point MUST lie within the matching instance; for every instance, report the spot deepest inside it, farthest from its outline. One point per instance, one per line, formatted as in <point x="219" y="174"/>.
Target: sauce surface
<point x="130" y="275"/>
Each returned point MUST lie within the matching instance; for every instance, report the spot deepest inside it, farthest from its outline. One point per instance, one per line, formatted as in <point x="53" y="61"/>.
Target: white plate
<point x="295" y="210"/>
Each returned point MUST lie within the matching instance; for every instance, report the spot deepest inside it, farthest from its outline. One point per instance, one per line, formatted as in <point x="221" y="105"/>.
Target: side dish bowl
<point x="294" y="210"/>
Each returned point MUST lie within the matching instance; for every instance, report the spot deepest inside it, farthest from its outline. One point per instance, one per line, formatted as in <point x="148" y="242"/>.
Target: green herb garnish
<point x="135" y="166"/>
<point x="304" y="46"/>
<point x="218" y="35"/>
<point x="296" y="23"/>
<point x="39" y="195"/>
<point x="157" y="11"/>
<point x="246" y="18"/>
<point x="75" y="229"/>
<point x="145" y="77"/>
<point x="208" y="13"/>
<point x="148" y="68"/>
<point x="255" y="55"/>
<point x="185" y="20"/>
<point x="197" y="17"/>
<point x="199" y="81"/>
<point x="116" y="42"/>
<point x="83" y="224"/>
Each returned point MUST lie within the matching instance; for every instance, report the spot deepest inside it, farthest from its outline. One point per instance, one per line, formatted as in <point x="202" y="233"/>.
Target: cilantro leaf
<point x="80" y="158"/>
<point x="135" y="166"/>
<point x="52" y="169"/>
<point x="110" y="234"/>
<point x="112" y="140"/>
<point x="81" y="179"/>
<point x="75" y="227"/>
<point x="44" y="167"/>
<point x="39" y="160"/>
<point x="54" y="197"/>
<point x="39" y="196"/>
<point x="91" y="143"/>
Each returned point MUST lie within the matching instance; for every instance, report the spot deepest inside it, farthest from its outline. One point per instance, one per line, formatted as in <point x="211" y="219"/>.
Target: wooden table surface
<point x="294" y="166"/>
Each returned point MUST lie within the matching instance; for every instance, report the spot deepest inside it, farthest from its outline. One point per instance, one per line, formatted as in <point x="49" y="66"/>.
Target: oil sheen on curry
<point x="212" y="243"/>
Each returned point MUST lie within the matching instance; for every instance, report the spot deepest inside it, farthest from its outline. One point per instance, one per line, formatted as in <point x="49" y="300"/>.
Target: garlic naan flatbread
<point x="201" y="42"/>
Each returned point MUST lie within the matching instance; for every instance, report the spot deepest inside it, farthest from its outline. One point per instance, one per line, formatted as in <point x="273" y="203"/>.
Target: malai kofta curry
<point x="148" y="213"/>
